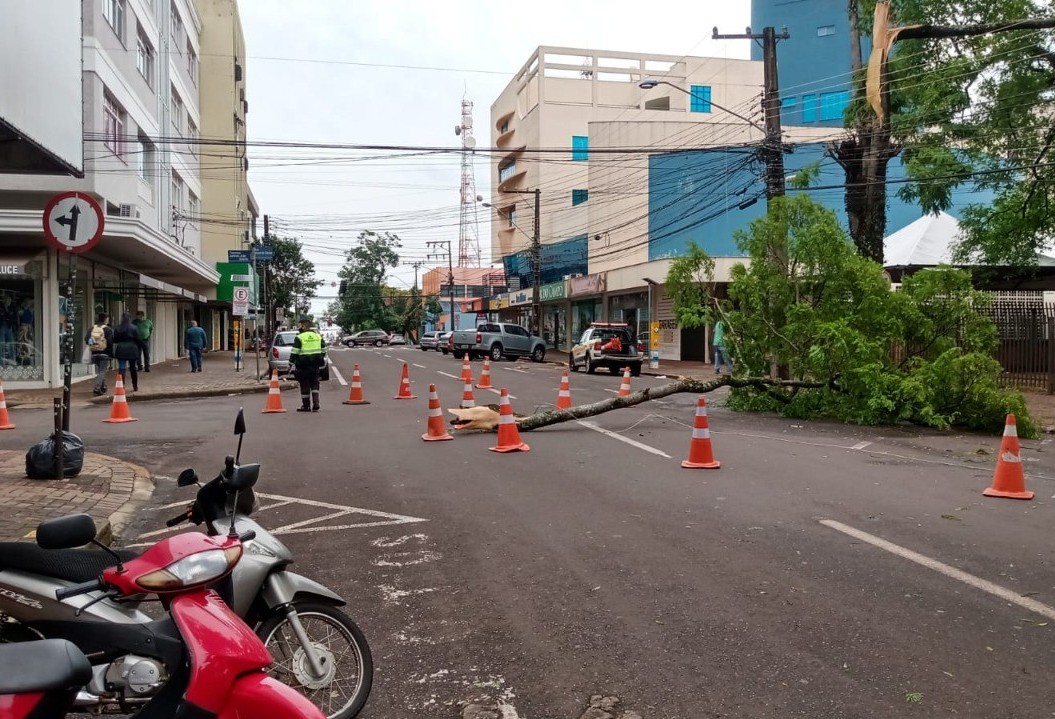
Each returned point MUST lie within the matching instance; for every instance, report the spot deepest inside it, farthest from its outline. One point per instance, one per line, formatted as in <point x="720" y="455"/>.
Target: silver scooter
<point x="317" y="648"/>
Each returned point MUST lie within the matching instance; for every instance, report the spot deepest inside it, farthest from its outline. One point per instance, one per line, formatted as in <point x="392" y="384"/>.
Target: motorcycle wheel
<point x="343" y="690"/>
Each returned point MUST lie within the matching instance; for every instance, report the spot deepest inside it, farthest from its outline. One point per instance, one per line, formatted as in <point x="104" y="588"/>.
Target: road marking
<point x="514" y="369"/>
<point x="861" y="445"/>
<point x="419" y="366"/>
<point x="384" y="355"/>
<point x="613" y="391"/>
<point x="340" y="377"/>
<point x="621" y="438"/>
<point x="447" y="375"/>
<point x="949" y="571"/>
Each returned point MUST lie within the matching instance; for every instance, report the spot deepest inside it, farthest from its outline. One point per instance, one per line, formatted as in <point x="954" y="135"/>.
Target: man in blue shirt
<point x="194" y="342"/>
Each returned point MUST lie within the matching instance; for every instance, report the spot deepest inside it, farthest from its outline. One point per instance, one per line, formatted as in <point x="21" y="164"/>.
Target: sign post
<point x="73" y="223"/>
<point x="240" y="300"/>
<point x="653" y="345"/>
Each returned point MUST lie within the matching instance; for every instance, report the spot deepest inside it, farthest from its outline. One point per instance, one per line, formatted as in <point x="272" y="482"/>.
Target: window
<point x="825" y="30"/>
<point x="833" y="104"/>
<point x="579" y="196"/>
<point x="809" y="108"/>
<point x="192" y="63"/>
<point x="145" y="160"/>
<point x="193" y="207"/>
<point x="114" y="14"/>
<point x="504" y="173"/>
<point x="177" y="111"/>
<point x="701" y="98"/>
<point x="787" y="108"/>
<point x="113" y="124"/>
<point x="176" y="27"/>
<point x="177" y="194"/>
<point x="512" y="217"/>
<point x="580" y="147"/>
<point x="192" y="135"/>
<point x="504" y="128"/>
<point x="144" y="56"/>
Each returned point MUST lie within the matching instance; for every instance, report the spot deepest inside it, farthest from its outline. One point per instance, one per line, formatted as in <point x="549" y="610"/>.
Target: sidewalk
<point x="107" y="488"/>
<point x="171" y="379"/>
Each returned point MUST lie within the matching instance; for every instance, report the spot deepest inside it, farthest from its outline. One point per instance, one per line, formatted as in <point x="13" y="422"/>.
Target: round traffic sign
<point x="73" y="221"/>
<point x="241" y="294"/>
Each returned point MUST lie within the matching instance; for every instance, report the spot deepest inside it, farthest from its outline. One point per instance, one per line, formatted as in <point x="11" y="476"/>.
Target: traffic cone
<point x="119" y="409"/>
<point x="467" y="370"/>
<point x="508" y="434"/>
<point x="624" y="386"/>
<point x="485" y="375"/>
<point x="404" y="384"/>
<point x="5" y="420"/>
<point x="355" y="394"/>
<point x="1009" y="480"/>
<point x="701" y="456"/>
<point x="564" y="395"/>
<point x="467" y="395"/>
<point x="274" y="396"/>
<point x="437" y="429"/>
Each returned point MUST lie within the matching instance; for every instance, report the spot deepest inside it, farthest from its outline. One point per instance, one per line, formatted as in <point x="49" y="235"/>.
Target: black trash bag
<point x="40" y="459"/>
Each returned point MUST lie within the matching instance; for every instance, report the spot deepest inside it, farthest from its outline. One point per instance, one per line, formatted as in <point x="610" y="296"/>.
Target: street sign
<point x="241" y="309"/>
<point x="73" y="221"/>
<point x="238" y="256"/>
<point x="240" y="294"/>
<point x="265" y="253"/>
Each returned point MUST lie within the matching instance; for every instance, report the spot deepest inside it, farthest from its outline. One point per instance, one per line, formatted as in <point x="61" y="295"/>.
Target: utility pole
<point x="421" y="300"/>
<point x="450" y="275"/>
<point x="773" y="149"/>
<point x="267" y="281"/>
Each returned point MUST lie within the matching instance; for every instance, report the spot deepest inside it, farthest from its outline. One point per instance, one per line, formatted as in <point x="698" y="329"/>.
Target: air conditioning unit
<point x="127" y="210"/>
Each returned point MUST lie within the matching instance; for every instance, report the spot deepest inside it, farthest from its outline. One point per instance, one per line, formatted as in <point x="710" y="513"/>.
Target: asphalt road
<point x="591" y="565"/>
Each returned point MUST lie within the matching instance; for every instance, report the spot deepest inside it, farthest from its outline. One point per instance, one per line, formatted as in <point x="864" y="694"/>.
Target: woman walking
<point x="127" y="348"/>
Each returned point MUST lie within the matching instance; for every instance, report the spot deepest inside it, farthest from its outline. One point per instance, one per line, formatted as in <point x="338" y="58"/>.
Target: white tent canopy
<point x="929" y="241"/>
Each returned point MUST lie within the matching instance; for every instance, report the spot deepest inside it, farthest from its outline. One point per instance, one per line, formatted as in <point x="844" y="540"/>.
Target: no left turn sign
<point x="73" y="221"/>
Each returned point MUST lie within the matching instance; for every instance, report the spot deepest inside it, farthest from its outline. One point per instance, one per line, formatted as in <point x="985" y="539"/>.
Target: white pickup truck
<point x="498" y="340"/>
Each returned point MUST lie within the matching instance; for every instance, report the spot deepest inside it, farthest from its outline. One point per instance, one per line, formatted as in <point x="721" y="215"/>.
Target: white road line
<point x="340" y="377"/>
<point x="313" y="520"/>
<point x="621" y="438"/>
<point x="185" y="503"/>
<point x="514" y="369"/>
<point x="447" y="375"/>
<point x="952" y="572"/>
<point x="613" y="391"/>
<point x="272" y="506"/>
<point x="384" y="355"/>
<point x="163" y="530"/>
<point x="419" y="366"/>
<point x="861" y="445"/>
<point x="498" y="392"/>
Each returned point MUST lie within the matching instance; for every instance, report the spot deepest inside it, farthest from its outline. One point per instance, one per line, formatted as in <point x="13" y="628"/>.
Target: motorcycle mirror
<point x="244" y="477"/>
<point x="68" y="532"/>
<point x="186" y="478"/>
<point x="239" y="422"/>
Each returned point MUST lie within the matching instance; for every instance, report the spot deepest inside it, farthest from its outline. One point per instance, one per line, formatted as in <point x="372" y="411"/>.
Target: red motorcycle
<point x="221" y="672"/>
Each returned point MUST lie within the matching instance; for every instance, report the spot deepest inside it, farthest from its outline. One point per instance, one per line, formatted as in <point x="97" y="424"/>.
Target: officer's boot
<point x="305" y="406"/>
<point x="315" y="400"/>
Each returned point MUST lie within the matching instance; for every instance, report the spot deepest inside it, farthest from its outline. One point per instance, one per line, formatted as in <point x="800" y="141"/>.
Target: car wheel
<point x="538" y="354"/>
<point x="590" y="366"/>
<point x="571" y="363"/>
<point x="635" y="370"/>
<point x="378" y="343"/>
<point x="424" y="349"/>
<point x="496" y="352"/>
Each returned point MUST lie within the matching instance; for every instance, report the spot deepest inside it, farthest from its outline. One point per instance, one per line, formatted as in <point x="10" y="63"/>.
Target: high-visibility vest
<point x="310" y="344"/>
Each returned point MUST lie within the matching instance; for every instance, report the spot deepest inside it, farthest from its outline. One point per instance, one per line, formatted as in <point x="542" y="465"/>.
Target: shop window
<point x="21" y="340"/>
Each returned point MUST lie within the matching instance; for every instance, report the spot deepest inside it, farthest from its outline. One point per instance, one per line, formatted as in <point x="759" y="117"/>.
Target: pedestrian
<point x="100" y="341"/>
<point x="127" y="349"/>
<point x="308" y="356"/>
<point x="146" y="329"/>
<point x="194" y="342"/>
<point x="721" y="354"/>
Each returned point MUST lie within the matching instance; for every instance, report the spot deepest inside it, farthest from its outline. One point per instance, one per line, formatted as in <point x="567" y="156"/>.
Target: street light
<point x="650" y="82"/>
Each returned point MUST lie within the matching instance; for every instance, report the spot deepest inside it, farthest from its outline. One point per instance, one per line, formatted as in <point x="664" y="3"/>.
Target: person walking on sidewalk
<point x="100" y="341"/>
<point x="127" y="348"/>
<point x="194" y="342"/>
<point x="721" y="354"/>
<point x="146" y="328"/>
<point x="308" y="356"/>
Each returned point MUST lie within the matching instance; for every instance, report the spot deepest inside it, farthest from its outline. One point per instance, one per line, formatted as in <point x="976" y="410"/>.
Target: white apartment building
<point x="140" y="111"/>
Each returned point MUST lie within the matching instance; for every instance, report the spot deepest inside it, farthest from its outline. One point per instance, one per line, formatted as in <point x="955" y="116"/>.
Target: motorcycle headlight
<point x="198" y="568"/>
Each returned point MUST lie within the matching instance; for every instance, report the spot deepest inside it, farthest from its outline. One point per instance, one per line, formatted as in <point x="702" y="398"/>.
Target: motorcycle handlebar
<point x="179" y="519"/>
<point x="76" y="589"/>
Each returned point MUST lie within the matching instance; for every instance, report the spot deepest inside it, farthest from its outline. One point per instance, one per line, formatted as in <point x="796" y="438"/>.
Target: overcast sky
<point x="355" y="72"/>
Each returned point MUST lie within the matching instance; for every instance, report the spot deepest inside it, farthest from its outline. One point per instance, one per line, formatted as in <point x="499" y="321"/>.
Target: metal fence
<point x="1027" y="344"/>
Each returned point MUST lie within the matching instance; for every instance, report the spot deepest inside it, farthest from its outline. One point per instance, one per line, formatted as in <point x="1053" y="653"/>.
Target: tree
<point x="292" y="280"/>
<point x="363" y="295"/>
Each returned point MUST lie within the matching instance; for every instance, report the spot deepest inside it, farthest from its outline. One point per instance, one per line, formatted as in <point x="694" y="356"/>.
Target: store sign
<point x="13" y="269"/>
<point x="553" y="291"/>
<point x="503" y="302"/>
<point x="588" y="285"/>
<point x="520" y="298"/>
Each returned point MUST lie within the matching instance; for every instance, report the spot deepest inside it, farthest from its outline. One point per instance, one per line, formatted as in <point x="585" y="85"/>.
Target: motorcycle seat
<point x="42" y="666"/>
<point x="73" y="565"/>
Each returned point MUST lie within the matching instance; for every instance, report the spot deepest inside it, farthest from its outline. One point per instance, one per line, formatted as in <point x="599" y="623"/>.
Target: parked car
<point x="443" y="342"/>
<point x="396" y="340"/>
<point x="498" y="340"/>
<point x="278" y="353"/>
<point x="430" y="341"/>
<point x="377" y="338"/>
<point x="606" y="344"/>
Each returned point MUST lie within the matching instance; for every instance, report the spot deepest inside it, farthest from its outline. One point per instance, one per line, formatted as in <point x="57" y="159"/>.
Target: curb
<point x="189" y="394"/>
<point x="142" y="490"/>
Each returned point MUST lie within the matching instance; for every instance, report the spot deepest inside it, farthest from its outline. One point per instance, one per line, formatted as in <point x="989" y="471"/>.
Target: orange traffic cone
<point x="624" y="386"/>
<point x="467" y="395"/>
<point x="701" y="456"/>
<point x="355" y="394"/>
<point x="119" y="409"/>
<point x="508" y="434"/>
<point x="485" y="375"/>
<point x="1009" y="480"/>
<point x="564" y="395"/>
<point x="437" y="430"/>
<point x="404" y="384"/>
<point x="467" y="370"/>
<point x="274" y="396"/>
<point x="5" y="420"/>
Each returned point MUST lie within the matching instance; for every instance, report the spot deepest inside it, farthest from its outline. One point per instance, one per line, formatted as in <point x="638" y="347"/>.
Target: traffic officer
<point x="308" y="356"/>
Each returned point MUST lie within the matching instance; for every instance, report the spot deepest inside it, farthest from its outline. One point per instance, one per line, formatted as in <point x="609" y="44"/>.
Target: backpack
<point x="97" y="340"/>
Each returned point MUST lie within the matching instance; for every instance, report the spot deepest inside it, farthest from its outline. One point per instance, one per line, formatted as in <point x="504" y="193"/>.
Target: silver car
<point x="278" y="354"/>
<point x="429" y="341"/>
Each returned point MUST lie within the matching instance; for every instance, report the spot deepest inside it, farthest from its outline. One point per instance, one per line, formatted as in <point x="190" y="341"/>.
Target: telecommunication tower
<point x="469" y="230"/>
